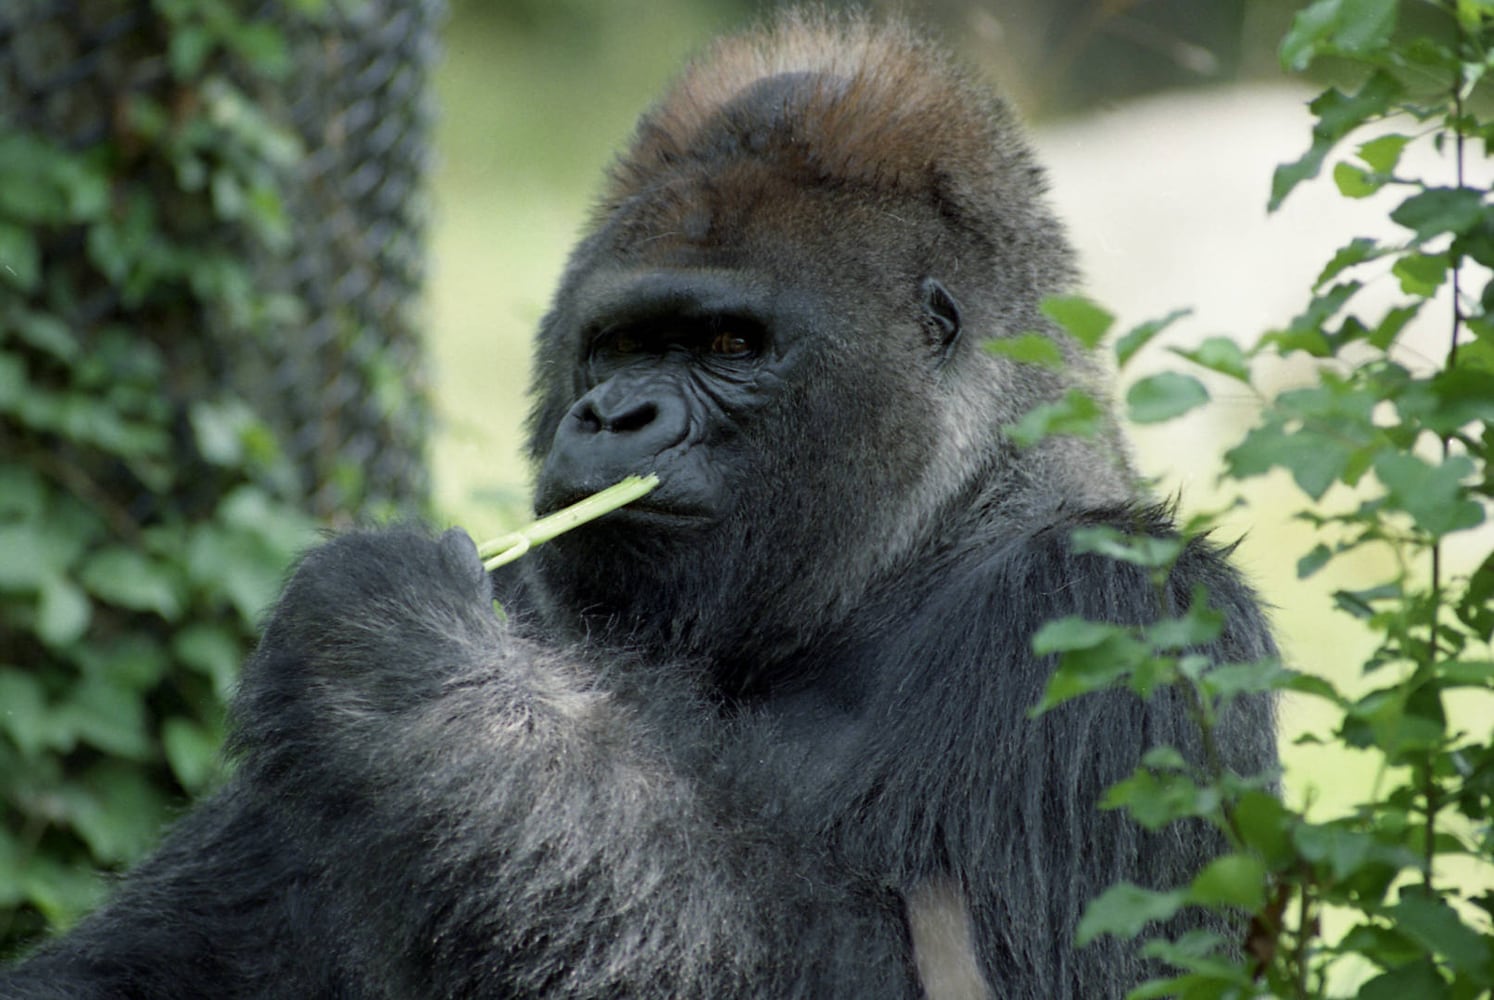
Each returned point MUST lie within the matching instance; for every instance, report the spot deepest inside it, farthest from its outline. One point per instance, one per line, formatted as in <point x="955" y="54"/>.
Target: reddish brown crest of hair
<point x="865" y="103"/>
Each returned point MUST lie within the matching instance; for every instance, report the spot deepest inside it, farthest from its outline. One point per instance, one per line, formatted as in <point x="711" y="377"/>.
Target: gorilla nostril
<point x="588" y="418"/>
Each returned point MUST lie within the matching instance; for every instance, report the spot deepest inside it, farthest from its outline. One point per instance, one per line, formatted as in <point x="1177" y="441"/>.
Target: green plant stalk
<point x="505" y="549"/>
<point x="1427" y="775"/>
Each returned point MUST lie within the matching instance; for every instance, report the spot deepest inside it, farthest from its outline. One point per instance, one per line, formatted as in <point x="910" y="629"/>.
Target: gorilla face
<point x="770" y="403"/>
<point x="670" y="368"/>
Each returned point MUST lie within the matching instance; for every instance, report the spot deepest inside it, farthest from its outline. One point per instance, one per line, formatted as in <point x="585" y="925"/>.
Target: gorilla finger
<point x="459" y="554"/>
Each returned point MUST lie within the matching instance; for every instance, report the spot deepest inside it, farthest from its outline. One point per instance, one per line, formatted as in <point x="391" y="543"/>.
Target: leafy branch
<point x="1409" y="449"/>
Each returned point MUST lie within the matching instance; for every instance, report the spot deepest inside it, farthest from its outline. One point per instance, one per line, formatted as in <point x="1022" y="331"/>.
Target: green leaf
<point x="1338" y="27"/>
<point x="62" y="612"/>
<point x="1029" y="348"/>
<point x="1265" y="825"/>
<point x="1421" y="274"/>
<point x="1354" y="182"/>
<point x="38" y="550"/>
<point x="23" y="712"/>
<point x="1382" y="154"/>
<point x="1149" y="551"/>
<point x="1164" y="758"/>
<point x="1072" y="632"/>
<point x="1124" y="911"/>
<point x="127" y="579"/>
<point x="219" y="428"/>
<point x="1164" y="396"/>
<point x="1085" y="321"/>
<point x="1317" y="687"/>
<point x="1467" y="673"/>
<point x="107" y="716"/>
<point x="1077" y="414"/>
<point x="1418" y="980"/>
<point x="1390" y="947"/>
<point x="1219" y="354"/>
<point x="228" y="195"/>
<point x="20" y="260"/>
<point x="116" y="810"/>
<point x="61" y="892"/>
<point x="1361" y="603"/>
<point x="1436" y="211"/>
<point x="135" y="660"/>
<point x="1199" y="626"/>
<point x="235" y="565"/>
<point x="1134" y="340"/>
<point x="1396" y="719"/>
<point x="13" y="383"/>
<point x="192" y="752"/>
<point x="1359" y="250"/>
<point x="1232" y="680"/>
<point x="1433" y="495"/>
<point x="213" y="651"/>
<point x="1315" y="460"/>
<point x="1094" y="656"/>
<point x="1231" y="880"/>
<point x="23" y="494"/>
<point x="1156" y="799"/>
<point x="188" y="49"/>
<point x="262" y="46"/>
<point x="1437" y="927"/>
<point x="48" y="334"/>
<point x="1342" y="850"/>
<point x="1462" y="396"/>
<point x="1313" y="561"/>
<point x="1305" y="333"/>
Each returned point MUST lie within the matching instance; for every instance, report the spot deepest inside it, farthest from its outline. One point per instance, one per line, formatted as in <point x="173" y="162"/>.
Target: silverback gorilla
<point x="765" y="733"/>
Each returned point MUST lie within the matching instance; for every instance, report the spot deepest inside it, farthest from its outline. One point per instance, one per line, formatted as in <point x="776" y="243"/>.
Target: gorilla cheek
<point x="632" y="427"/>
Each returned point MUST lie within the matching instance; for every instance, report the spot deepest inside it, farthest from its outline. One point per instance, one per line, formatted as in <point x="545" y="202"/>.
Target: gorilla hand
<point x="362" y="600"/>
<point x="371" y="627"/>
<point x="358" y="608"/>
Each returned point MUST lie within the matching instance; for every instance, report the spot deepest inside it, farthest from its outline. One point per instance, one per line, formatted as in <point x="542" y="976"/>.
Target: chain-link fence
<point x="340" y="377"/>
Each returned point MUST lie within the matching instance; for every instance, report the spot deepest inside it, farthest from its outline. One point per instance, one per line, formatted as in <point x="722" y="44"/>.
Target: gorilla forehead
<point x="770" y="111"/>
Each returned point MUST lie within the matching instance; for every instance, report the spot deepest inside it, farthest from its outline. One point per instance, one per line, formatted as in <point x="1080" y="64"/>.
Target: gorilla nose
<point x="609" y="434"/>
<point x="634" y="416"/>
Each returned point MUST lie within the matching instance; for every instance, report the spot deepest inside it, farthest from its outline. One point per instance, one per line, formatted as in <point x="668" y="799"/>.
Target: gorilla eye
<point x="625" y="344"/>
<point x="727" y="342"/>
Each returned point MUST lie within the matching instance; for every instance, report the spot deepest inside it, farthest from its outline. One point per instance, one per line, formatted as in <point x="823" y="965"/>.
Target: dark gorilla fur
<point x="765" y="733"/>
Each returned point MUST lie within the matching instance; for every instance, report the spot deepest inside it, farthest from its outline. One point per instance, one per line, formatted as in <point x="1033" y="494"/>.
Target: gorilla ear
<point x="941" y="316"/>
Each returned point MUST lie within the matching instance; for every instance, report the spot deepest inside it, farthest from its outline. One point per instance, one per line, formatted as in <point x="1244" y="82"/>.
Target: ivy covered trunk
<point x="211" y="222"/>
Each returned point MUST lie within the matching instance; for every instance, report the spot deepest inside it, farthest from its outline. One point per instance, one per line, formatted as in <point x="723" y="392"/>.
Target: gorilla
<point x="766" y="732"/>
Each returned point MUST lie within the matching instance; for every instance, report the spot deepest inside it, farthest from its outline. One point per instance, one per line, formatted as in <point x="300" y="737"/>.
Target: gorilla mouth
<point x="648" y="510"/>
<point x="642" y="514"/>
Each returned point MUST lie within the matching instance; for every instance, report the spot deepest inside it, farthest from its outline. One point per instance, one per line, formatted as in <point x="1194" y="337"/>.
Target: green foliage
<point x="145" y="512"/>
<point x="1392" y="454"/>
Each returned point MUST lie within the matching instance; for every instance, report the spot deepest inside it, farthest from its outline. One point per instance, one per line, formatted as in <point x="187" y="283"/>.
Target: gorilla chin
<point x="766" y="734"/>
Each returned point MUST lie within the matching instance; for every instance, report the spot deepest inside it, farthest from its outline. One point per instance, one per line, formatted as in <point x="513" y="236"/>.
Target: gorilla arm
<point x="497" y="822"/>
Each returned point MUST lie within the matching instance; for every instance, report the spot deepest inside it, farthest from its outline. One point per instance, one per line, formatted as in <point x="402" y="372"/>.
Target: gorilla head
<point x="780" y="309"/>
